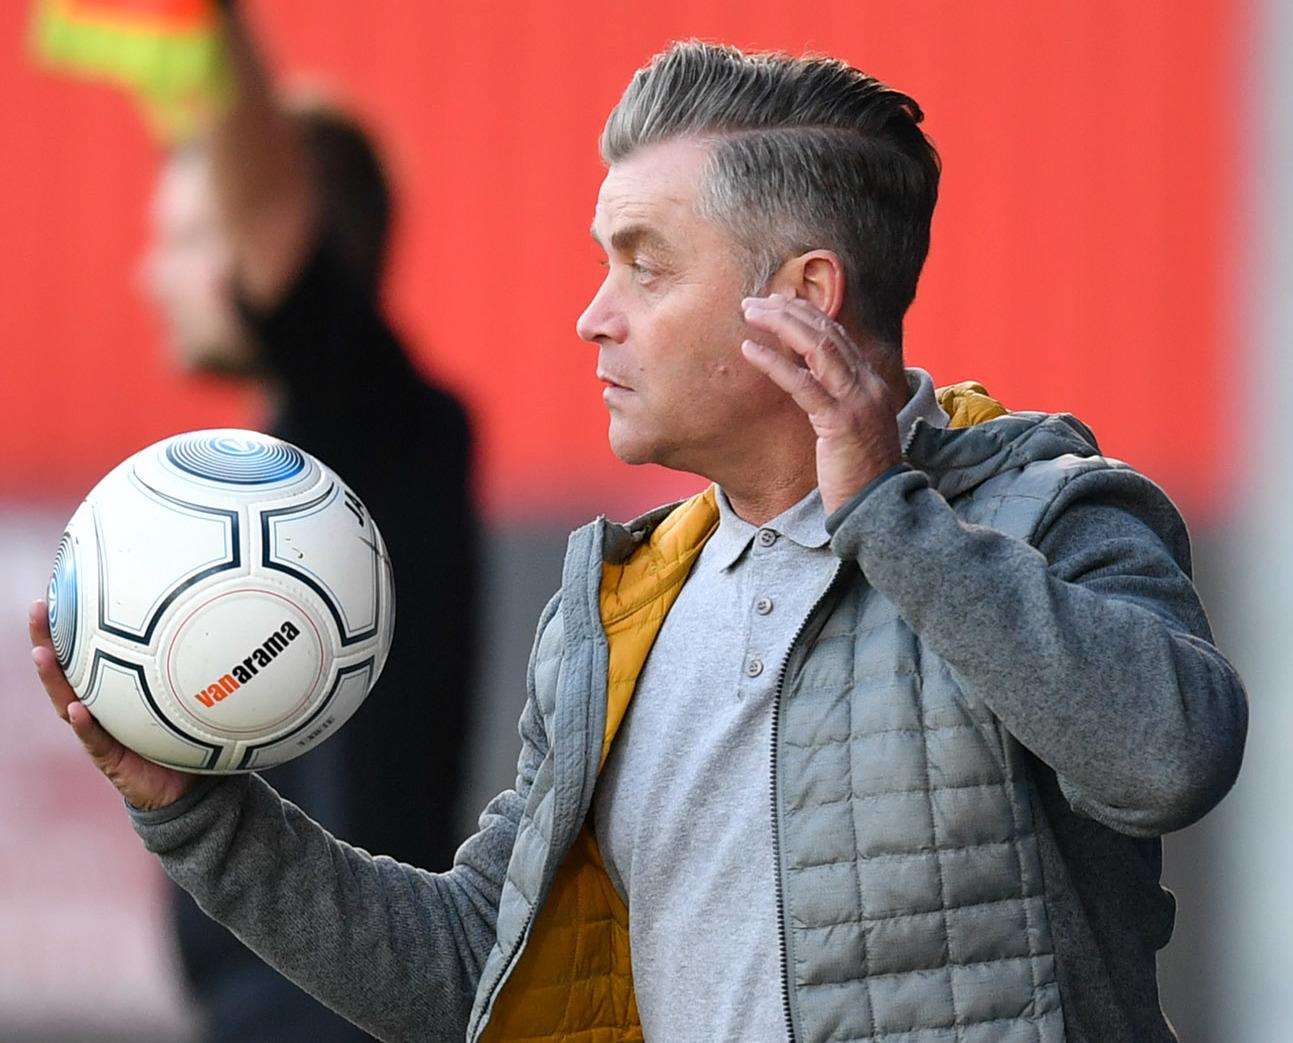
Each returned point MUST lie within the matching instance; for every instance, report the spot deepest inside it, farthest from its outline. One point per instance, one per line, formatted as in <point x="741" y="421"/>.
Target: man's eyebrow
<point x="626" y="238"/>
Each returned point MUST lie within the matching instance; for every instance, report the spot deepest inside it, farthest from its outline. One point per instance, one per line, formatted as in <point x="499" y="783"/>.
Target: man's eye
<point x="641" y="272"/>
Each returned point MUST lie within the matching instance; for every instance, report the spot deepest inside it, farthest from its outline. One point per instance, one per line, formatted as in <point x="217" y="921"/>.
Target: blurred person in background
<point x="269" y="236"/>
<point x="877" y="736"/>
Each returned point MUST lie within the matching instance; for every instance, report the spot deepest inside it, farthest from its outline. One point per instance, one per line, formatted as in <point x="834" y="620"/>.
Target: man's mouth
<point x="610" y="382"/>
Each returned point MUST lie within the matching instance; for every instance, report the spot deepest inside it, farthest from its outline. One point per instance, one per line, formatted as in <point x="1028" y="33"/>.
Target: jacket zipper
<point x="487" y="1010"/>
<point x="776" y="827"/>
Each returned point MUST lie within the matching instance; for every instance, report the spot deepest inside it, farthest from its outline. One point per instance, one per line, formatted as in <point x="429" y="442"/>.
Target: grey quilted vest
<point x="910" y="889"/>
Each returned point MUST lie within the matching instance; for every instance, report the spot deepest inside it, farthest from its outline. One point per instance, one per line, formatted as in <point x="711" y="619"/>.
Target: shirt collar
<point x="805" y="522"/>
<point x="731" y="537"/>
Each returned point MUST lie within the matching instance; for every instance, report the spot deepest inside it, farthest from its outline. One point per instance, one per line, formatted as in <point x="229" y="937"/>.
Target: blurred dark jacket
<point x="390" y="781"/>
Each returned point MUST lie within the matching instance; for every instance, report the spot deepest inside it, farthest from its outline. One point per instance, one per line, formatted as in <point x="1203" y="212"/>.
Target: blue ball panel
<point x="61" y="598"/>
<point x="234" y="460"/>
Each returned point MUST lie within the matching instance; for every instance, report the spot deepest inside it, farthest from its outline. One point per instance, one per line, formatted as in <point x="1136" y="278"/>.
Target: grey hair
<point x="805" y="153"/>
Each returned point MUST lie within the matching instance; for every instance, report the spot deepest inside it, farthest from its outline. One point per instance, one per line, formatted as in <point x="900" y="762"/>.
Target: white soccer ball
<point x="221" y="602"/>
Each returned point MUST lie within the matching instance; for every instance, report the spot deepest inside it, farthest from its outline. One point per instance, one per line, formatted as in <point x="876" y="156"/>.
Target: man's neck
<point x="771" y="479"/>
<point x="760" y="503"/>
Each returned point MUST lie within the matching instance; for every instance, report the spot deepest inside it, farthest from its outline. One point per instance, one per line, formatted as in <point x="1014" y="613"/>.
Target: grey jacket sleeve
<point x="396" y="949"/>
<point x="1088" y="642"/>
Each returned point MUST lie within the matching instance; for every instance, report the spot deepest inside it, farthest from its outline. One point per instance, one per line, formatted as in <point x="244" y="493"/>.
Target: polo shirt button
<point x="753" y="667"/>
<point x="763" y="606"/>
<point x="767" y="537"/>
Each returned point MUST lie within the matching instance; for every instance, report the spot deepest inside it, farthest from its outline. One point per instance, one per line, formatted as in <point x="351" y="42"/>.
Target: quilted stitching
<point x="912" y="877"/>
<point x="913" y="885"/>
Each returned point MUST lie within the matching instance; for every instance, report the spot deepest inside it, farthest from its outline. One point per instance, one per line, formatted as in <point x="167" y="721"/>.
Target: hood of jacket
<point x="959" y="459"/>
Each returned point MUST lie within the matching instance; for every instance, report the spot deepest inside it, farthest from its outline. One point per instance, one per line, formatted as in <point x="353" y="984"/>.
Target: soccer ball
<point x="221" y="602"/>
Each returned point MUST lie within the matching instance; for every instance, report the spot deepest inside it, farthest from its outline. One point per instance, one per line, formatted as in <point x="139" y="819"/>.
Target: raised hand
<point x="848" y="403"/>
<point x="144" y="784"/>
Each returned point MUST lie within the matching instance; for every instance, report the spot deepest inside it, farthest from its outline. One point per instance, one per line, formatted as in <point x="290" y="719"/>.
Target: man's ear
<point x="817" y="277"/>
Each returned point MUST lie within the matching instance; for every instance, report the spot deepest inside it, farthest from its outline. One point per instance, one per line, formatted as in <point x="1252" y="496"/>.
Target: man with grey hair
<point x="873" y="738"/>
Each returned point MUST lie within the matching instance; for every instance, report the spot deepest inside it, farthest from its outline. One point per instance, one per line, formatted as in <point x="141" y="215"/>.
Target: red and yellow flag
<point x="168" y="53"/>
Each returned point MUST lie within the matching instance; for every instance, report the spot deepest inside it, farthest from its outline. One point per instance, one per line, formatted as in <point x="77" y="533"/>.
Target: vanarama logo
<point x="243" y="672"/>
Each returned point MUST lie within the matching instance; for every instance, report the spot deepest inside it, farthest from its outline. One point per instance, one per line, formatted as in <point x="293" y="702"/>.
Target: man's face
<point x="667" y="319"/>
<point x="187" y="268"/>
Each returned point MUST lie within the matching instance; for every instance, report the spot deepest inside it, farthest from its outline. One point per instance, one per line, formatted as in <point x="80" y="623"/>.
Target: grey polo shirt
<point x="682" y="811"/>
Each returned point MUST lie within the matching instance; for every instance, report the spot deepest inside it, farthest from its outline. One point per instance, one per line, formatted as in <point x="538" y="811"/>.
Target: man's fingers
<point x="796" y="381"/>
<point x="51" y="676"/>
<point x="812" y="336"/>
<point x="102" y="747"/>
<point x="42" y="654"/>
<point x="38" y="623"/>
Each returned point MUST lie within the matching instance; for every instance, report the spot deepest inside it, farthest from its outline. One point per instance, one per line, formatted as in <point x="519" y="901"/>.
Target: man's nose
<point x="601" y="319"/>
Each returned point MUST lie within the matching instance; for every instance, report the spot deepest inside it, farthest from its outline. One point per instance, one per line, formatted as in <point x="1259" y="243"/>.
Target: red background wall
<point x="1082" y="248"/>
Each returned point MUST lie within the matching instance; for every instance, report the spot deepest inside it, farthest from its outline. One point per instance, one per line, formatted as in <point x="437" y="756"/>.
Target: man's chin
<point x="632" y="456"/>
<point x="631" y="447"/>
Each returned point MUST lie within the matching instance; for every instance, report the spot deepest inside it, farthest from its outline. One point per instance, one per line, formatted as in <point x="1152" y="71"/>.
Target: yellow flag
<point x="168" y="53"/>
